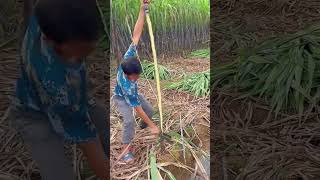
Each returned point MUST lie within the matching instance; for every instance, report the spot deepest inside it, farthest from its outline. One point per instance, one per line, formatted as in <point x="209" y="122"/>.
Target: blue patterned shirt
<point x="125" y="87"/>
<point x="50" y="86"/>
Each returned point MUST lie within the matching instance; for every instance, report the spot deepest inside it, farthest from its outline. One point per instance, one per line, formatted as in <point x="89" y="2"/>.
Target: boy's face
<point x="133" y="77"/>
<point x="74" y="51"/>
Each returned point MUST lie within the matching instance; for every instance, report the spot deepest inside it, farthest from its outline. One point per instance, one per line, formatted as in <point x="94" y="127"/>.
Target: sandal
<point x="128" y="158"/>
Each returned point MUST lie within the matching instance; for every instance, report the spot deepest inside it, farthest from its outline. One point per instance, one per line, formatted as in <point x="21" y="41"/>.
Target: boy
<point x="52" y="103"/>
<point x="126" y="91"/>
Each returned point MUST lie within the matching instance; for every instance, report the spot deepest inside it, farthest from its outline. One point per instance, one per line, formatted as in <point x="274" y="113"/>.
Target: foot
<point x="128" y="158"/>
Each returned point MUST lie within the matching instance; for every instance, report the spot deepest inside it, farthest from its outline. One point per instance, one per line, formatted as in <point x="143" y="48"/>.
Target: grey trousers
<point x="45" y="146"/>
<point x="128" y="118"/>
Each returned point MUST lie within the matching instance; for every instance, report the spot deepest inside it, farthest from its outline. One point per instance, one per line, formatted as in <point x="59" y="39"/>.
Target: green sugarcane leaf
<point x="153" y="167"/>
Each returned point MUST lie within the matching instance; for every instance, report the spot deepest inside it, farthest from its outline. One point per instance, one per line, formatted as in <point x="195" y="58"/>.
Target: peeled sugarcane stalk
<point x="155" y="63"/>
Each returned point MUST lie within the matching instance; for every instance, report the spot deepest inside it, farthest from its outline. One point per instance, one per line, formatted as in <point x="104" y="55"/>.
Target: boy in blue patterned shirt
<point x="126" y="95"/>
<point x="52" y="102"/>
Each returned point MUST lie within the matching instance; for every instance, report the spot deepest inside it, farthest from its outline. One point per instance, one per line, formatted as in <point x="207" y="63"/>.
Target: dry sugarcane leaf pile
<point x="251" y="143"/>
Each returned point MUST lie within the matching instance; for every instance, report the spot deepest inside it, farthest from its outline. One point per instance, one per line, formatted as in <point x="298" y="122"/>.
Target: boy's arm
<point x="143" y="116"/>
<point x="137" y="32"/>
<point x="140" y="112"/>
<point x="138" y="28"/>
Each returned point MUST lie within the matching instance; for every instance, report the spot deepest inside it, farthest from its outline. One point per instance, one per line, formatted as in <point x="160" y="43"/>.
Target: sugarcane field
<point x="175" y="59"/>
<point x="265" y="90"/>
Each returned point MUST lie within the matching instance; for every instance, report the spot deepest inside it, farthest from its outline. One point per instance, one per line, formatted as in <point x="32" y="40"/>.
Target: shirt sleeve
<point x="31" y="34"/>
<point x="129" y="90"/>
<point x="131" y="52"/>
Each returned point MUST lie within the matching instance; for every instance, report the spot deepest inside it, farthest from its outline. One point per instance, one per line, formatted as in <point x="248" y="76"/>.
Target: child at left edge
<point x="52" y="104"/>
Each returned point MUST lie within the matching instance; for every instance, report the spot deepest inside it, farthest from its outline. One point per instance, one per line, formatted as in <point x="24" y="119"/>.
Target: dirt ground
<point x="194" y="112"/>
<point x="249" y="142"/>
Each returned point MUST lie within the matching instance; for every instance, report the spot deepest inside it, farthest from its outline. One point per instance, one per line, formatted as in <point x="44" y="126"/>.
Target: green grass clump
<point x="201" y="53"/>
<point x="149" y="71"/>
<point x="197" y="84"/>
<point x="285" y="71"/>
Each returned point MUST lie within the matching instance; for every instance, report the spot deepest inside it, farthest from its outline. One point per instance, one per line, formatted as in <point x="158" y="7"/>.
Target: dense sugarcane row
<point x="178" y="25"/>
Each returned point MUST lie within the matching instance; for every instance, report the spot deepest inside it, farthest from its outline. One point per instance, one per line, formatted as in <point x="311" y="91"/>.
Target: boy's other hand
<point x="155" y="130"/>
<point x="145" y="2"/>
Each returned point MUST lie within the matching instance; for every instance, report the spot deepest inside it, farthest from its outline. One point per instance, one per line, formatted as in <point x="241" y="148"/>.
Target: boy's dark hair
<point x="131" y="66"/>
<point x="65" y="20"/>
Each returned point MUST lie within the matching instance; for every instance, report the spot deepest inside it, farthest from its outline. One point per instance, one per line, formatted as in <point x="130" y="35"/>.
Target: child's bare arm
<point x="140" y="112"/>
<point x="138" y="28"/>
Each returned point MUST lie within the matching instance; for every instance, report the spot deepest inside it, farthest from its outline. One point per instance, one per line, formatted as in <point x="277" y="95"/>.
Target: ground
<point x="16" y="161"/>
<point x="192" y="111"/>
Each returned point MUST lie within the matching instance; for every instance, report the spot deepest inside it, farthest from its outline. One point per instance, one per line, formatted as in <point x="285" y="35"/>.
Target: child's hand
<point x="145" y="2"/>
<point x="155" y="130"/>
